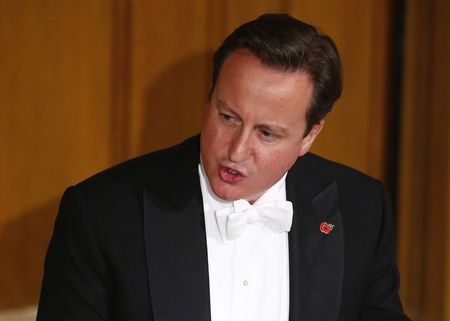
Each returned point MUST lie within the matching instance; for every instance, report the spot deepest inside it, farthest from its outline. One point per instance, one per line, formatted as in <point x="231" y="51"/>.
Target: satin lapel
<point x="175" y="243"/>
<point x="316" y="259"/>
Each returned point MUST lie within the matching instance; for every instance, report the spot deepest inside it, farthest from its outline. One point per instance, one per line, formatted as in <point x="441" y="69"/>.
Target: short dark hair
<point x="285" y="43"/>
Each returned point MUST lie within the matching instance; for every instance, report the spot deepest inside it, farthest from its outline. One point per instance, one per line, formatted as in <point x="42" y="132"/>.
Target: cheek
<point x="215" y="140"/>
<point x="217" y="137"/>
<point x="213" y="145"/>
<point x="280" y="162"/>
<point x="208" y="135"/>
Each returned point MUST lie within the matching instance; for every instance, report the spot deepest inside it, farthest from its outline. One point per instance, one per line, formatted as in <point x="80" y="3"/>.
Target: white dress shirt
<point x="248" y="276"/>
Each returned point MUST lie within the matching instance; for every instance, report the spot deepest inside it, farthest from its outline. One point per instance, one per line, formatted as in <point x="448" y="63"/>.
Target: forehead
<point x="242" y="65"/>
<point x="245" y="79"/>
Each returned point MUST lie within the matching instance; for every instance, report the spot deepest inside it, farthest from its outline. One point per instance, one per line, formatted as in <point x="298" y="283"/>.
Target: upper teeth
<point x="231" y="171"/>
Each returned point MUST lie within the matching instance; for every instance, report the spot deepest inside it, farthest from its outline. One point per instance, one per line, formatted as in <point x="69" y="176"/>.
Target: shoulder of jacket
<point x="148" y="169"/>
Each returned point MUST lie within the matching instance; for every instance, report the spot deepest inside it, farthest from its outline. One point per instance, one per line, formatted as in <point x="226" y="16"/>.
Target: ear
<point x="309" y="139"/>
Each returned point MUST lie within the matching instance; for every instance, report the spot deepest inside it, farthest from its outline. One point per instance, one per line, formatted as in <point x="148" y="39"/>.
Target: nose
<point x="240" y="148"/>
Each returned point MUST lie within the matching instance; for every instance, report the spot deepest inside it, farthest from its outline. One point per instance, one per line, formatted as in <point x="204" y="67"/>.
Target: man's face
<point x="253" y="126"/>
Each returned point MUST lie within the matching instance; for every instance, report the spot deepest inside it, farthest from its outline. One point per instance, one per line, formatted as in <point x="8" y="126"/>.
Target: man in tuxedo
<point x="241" y="222"/>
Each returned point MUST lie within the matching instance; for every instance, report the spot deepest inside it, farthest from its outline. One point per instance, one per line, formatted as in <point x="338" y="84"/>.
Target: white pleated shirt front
<point x="249" y="276"/>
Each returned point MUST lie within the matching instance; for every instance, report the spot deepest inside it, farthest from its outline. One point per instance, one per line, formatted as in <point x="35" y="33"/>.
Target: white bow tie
<point x="231" y="221"/>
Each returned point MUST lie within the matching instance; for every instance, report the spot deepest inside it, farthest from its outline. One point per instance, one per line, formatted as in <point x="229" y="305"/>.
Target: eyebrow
<point x="224" y="105"/>
<point x="279" y="130"/>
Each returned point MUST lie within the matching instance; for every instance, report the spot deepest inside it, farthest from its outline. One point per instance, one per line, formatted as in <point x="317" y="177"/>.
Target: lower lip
<point x="229" y="178"/>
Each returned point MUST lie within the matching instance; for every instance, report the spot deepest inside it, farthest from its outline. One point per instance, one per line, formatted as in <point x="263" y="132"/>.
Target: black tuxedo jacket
<point x="130" y="244"/>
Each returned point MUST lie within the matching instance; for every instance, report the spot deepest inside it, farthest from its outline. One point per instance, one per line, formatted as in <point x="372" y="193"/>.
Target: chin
<point x="226" y="193"/>
<point x="232" y="193"/>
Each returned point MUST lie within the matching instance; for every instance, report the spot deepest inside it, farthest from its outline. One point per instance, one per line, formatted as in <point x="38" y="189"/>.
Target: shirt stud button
<point x="245" y="283"/>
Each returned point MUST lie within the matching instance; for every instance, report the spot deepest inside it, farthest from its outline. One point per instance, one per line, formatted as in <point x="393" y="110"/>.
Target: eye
<point x="267" y="135"/>
<point x="229" y="119"/>
<point x="225" y="116"/>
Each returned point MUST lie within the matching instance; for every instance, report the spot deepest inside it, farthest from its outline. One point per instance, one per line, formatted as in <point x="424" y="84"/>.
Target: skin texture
<point x="254" y="125"/>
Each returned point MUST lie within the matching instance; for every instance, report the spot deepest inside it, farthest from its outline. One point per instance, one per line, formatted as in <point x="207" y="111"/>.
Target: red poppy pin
<point x="326" y="228"/>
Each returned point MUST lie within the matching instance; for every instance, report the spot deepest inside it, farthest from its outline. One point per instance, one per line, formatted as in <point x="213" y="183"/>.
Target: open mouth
<point x="229" y="175"/>
<point x="232" y="171"/>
